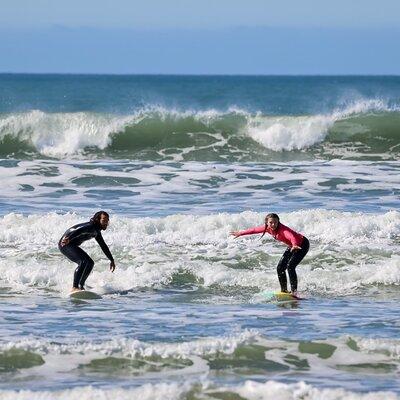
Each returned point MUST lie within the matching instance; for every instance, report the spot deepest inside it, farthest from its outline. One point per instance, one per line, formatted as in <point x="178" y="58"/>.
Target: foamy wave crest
<point x="164" y="131"/>
<point x="160" y="391"/>
<point x="135" y="348"/>
<point x="354" y="250"/>
<point x="250" y="390"/>
<point x="347" y="228"/>
<point x="324" y="226"/>
<point x="301" y="132"/>
<point x="61" y="134"/>
<point x="289" y="133"/>
<point x="389" y="347"/>
<point x="270" y="390"/>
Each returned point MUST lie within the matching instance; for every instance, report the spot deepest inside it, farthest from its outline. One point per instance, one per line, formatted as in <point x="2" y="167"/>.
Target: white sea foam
<point x="149" y="188"/>
<point x="325" y="357"/>
<point x="345" y="353"/>
<point x="133" y="348"/>
<point x="348" y="251"/>
<point x="61" y="134"/>
<point x="250" y="390"/>
<point x="65" y="134"/>
<point x="289" y="133"/>
<point x="301" y="132"/>
<point x="323" y="226"/>
<point x="160" y="391"/>
<point x="272" y="390"/>
<point x="389" y="347"/>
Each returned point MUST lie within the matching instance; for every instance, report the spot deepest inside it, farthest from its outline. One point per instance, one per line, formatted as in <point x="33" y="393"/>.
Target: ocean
<point x="179" y="162"/>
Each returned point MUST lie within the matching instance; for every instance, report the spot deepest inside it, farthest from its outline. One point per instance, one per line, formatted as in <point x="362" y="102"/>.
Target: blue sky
<point x="200" y="37"/>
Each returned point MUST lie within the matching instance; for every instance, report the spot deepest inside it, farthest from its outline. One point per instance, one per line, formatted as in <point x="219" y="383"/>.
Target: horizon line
<point x="203" y="74"/>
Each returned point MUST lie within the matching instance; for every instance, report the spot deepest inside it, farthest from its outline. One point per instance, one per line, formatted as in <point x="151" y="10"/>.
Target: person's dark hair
<point x="270" y="215"/>
<point x="96" y="217"/>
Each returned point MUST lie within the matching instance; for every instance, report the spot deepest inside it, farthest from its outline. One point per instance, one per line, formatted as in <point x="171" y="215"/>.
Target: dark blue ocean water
<point x="272" y="95"/>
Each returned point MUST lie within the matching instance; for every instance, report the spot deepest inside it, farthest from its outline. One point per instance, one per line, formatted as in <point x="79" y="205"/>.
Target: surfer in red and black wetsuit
<point x="298" y="246"/>
<point x="75" y="236"/>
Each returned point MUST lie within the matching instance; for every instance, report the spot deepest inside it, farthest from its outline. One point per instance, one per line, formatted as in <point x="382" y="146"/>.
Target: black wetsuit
<point x="76" y="236"/>
<point x="290" y="260"/>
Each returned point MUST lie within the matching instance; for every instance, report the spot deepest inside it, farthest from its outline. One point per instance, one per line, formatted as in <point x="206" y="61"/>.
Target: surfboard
<point x="279" y="296"/>
<point x="84" y="295"/>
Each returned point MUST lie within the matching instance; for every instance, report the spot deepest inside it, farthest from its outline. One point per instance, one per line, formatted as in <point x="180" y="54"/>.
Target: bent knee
<point x="281" y="269"/>
<point x="88" y="262"/>
<point x="292" y="268"/>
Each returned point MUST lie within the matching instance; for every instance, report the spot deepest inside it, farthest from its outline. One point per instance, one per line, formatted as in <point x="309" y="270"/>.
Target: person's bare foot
<point x="75" y="289"/>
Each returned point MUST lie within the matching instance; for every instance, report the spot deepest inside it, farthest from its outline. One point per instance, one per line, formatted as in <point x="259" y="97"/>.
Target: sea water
<point x="179" y="162"/>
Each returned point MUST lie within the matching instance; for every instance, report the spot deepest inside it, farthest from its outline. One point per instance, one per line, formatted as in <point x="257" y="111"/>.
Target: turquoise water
<point x="179" y="162"/>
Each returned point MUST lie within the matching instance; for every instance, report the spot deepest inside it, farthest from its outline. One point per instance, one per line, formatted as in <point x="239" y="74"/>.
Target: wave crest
<point x="155" y="132"/>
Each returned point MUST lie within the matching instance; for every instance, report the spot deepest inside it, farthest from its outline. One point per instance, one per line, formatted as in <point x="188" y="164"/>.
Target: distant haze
<point x="193" y="37"/>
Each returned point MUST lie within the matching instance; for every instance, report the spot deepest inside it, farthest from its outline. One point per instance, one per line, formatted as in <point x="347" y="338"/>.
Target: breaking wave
<point x="157" y="133"/>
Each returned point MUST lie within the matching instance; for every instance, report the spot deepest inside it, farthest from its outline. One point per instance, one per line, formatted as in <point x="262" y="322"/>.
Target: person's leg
<point x="85" y="264"/>
<point x="281" y="270"/>
<point x="83" y="270"/>
<point x="89" y="263"/>
<point x="294" y="261"/>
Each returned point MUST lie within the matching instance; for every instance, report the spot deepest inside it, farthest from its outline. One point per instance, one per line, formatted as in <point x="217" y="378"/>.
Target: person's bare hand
<point x="64" y="242"/>
<point x="295" y="248"/>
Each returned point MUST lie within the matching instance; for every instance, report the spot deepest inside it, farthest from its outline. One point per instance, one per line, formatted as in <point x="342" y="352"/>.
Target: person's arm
<point x="294" y="238"/>
<point x="106" y="250"/>
<point x="250" y="231"/>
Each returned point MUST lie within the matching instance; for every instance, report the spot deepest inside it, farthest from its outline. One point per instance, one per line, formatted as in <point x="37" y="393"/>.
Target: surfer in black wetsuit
<point x="75" y="236"/>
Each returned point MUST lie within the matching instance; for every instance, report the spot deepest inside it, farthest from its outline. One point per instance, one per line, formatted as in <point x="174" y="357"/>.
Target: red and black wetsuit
<point x="290" y="259"/>
<point x="76" y="235"/>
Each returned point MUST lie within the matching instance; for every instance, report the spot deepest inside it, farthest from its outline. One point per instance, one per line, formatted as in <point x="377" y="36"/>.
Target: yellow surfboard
<point x="279" y="296"/>
<point x="84" y="295"/>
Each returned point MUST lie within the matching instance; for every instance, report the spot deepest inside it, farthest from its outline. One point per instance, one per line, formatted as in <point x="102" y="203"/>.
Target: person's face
<point x="272" y="223"/>
<point x="103" y="221"/>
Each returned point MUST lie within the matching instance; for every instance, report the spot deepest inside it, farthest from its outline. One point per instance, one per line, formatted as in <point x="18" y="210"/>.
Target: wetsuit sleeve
<point x="252" y="231"/>
<point x="104" y="247"/>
